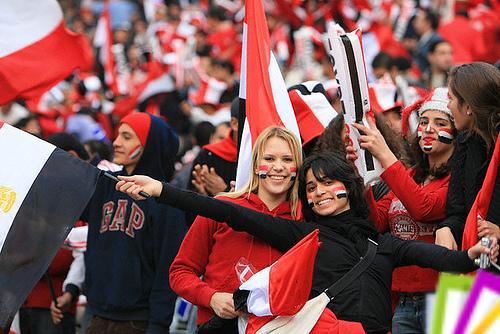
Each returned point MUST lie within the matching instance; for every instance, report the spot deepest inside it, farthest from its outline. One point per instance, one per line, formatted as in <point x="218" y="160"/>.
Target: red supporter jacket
<point x="410" y="211"/>
<point x="211" y="249"/>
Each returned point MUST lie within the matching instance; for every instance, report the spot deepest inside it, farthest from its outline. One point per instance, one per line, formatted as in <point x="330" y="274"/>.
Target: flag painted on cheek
<point x="340" y="192"/>
<point x="263" y="170"/>
<point x="43" y="191"/>
<point x="445" y="136"/>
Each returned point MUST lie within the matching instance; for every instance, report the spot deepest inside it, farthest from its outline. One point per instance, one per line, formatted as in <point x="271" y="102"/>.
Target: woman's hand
<point x="133" y="185"/>
<point x="478" y="249"/>
<point x="223" y="305"/>
<point x="373" y="141"/>
<point x="445" y="238"/>
<point x="487" y="229"/>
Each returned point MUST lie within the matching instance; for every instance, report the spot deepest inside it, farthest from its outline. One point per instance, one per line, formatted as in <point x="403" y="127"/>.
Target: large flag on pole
<point x="483" y="203"/>
<point x="43" y="191"/>
<point x="36" y="49"/>
<point x="266" y="100"/>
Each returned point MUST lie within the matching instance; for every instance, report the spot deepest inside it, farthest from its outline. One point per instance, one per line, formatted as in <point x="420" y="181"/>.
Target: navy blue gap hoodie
<point x="131" y="244"/>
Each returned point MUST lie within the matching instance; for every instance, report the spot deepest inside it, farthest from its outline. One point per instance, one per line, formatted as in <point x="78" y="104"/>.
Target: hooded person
<point x="131" y="244"/>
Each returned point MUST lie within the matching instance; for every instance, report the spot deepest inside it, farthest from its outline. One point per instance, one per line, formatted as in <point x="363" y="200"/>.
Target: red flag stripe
<point x="260" y="108"/>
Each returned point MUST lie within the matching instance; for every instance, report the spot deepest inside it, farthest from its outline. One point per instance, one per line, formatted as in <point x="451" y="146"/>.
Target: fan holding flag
<point x="212" y="249"/>
<point x="344" y="230"/>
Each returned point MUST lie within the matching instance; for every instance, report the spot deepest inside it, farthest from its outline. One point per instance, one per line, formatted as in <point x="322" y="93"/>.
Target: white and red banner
<point x="261" y="86"/>
<point x="103" y="39"/>
<point x="36" y="49"/>
<point x="283" y="288"/>
<point x="43" y="191"/>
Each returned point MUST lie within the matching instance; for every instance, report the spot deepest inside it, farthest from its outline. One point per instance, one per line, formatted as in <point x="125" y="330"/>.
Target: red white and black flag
<point x="36" y="49"/>
<point x="43" y="191"/>
<point x="263" y="92"/>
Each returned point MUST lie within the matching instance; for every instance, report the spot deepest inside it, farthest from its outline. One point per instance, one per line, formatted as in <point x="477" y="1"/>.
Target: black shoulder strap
<point x="352" y="274"/>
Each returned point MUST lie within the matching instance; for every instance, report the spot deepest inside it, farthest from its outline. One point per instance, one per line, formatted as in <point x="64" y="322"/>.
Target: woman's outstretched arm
<point x="281" y="233"/>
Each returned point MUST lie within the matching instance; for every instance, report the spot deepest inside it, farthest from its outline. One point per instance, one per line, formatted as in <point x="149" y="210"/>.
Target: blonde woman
<point x="212" y="250"/>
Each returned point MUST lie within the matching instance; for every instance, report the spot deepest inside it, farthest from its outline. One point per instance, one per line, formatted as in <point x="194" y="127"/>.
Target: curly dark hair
<point x="334" y="166"/>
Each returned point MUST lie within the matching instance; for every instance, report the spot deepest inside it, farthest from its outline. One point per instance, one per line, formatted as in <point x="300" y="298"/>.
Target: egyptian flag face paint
<point x="445" y="136"/>
<point x="136" y="151"/>
<point x="263" y="170"/>
<point x="340" y="192"/>
<point x="310" y="202"/>
<point x="293" y="173"/>
<point x="419" y="132"/>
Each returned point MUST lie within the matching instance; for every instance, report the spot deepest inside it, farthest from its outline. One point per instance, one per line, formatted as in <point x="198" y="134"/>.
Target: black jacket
<point x="367" y="300"/>
<point x="468" y="169"/>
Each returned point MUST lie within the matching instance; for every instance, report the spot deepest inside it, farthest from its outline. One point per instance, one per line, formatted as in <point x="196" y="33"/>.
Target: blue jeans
<point x="409" y="316"/>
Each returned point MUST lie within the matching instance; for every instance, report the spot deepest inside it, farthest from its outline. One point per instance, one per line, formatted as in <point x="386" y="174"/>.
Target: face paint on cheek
<point x="263" y="170"/>
<point x="419" y="132"/>
<point x="135" y="152"/>
<point x="310" y="202"/>
<point x="340" y="192"/>
<point x="293" y="173"/>
<point x="445" y="136"/>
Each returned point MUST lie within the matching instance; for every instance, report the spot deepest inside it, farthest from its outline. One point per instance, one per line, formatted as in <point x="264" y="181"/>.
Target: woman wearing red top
<point x="416" y="202"/>
<point x="212" y="250"/>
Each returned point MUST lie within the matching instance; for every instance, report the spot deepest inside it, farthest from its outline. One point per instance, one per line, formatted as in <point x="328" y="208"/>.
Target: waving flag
<point x="283" y="288"/>
<point x="262" y="88"/>
<point x="483" y="202"/>
<point x="43" y="191"/>
<point x="36" y="50"/>
<point x="103" y="39"/>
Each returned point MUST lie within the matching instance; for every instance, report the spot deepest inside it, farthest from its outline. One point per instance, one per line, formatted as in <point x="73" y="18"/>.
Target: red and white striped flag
<point x="36" y="49"/>
<point x="103" y="39"/>
<point x="266" y="101"/>
<point x="283" y="288"/>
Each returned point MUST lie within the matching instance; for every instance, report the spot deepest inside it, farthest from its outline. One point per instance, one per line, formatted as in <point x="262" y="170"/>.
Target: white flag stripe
<point x="244" y="157"/>
<point x="281" y="98"/>
<point x="258" y="298"/>
<point x="23" y="22"/>
<point x="26" y="158"/>
<point x="243" y="69"/>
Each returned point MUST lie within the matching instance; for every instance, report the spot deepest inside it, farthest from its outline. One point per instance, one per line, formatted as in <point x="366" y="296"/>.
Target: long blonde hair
<point x="258" y="151"/>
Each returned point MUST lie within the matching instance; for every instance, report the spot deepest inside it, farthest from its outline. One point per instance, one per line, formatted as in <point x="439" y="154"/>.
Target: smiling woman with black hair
<point x="332" y="201"/>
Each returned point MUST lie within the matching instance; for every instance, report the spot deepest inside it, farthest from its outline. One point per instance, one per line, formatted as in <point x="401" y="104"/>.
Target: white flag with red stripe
<point x="103" y="39"/>
<point x="36" y="49"/>
<point x="261" y="86"/>
<point x="283" y="288"/>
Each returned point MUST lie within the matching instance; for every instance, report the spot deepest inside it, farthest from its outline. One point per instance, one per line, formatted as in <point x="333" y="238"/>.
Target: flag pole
<point x="114" y="178"/>
<point x="51" y="287"/>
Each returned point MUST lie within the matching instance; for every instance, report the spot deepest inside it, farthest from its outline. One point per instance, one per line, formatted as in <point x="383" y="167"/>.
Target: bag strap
<point x="355" y="271"/>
